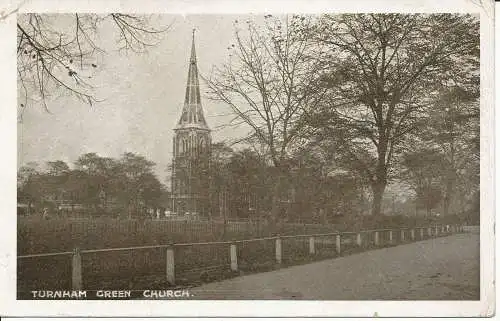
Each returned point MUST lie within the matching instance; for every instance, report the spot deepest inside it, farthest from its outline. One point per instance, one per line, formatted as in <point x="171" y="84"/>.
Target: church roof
<point x="192" y="113"/>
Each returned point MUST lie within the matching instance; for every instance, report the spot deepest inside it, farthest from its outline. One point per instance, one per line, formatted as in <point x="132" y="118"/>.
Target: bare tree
<point x="383" y="72"/>
<point x="453" y="128"/>
<point x="56" y="53"/>
<point x="269" y="83"/>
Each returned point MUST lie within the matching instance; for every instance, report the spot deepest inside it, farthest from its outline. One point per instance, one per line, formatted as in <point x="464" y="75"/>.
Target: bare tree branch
<point x="60" y="51"/>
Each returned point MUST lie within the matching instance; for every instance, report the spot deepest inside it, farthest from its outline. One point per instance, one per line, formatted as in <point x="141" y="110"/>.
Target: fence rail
<point x="169" y="263"/>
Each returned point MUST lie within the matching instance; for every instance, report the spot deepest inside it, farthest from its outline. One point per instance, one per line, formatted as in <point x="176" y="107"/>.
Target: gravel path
<point x="445" y="268"/>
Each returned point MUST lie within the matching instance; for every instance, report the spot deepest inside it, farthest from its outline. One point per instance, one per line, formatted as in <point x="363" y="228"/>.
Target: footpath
<point x="444" y="268"/>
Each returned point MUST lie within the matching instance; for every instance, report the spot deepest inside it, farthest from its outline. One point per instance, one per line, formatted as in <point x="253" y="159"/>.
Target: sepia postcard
<point x="256" y="159"/>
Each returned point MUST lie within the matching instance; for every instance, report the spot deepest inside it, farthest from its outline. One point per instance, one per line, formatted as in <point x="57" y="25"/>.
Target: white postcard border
<point x="9" y="306"/>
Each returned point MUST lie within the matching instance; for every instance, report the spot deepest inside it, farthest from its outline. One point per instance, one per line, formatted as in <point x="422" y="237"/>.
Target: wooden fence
<point x="175" y="263"/>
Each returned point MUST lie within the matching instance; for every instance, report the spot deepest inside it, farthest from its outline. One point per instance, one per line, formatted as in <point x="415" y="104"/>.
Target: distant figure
<point x="45" y="214"/>
<point x="157" y="213"/>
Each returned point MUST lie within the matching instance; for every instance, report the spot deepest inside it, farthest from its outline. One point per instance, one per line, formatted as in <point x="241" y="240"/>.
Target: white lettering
<point x="113" y="294"/>
<point x="166" y="294"/>
<point x="59" y="294"/>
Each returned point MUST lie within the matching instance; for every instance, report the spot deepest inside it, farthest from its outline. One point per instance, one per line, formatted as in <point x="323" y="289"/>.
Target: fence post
<point x="311" y="245"/>
<point x="234" y="257"/>
<point x="170" y="265"/>
<point x="412" y="234"/>
<point x="278" y="250"/>
<point x="402" y="235"/>
<point x="76" y="270"/>
<point x="338" y="243"/>
<point x="358" y="240"/>
<point x="421" y="233"/>
<point x="376" y="238"/>
<point x="390" y="237"/>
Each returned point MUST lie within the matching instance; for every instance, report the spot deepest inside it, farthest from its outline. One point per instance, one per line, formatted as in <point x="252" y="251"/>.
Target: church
<point x="191" y="151"/>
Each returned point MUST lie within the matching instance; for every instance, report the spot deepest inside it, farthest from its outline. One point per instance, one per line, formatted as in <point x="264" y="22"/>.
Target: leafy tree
<point x="383" y="72"/>
<point x="425" y="170"/>
<point x="28" y="188"/>
<point x="78" y="189"/>
<point x="101" y="184"/>
<point x="453" y="126"/>
<point x="26" y="172"/>
<point x="57" y="168"/>
<point x="140" y="187"/>
<point x="250" y="184"/>
<point x="323" y="185"/>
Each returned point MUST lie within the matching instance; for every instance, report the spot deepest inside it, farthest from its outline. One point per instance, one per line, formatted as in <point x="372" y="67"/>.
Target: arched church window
<point x="184" y="146"/>
<point x="202" y="145"/>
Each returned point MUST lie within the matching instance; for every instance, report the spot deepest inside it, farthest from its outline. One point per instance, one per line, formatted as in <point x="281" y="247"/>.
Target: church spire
<point x="192" y="112"/>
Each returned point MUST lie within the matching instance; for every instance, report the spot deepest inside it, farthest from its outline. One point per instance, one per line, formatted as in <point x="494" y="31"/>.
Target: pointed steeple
<point x="193" y="51"/>
<point x="192" y="112"/>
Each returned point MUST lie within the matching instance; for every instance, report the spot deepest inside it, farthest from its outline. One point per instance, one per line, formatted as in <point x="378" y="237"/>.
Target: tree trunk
<point x="380" y="182"/>
<point x="275" y="206"/>
<point x="276" y="198"/>
<point x="378" y="192"/>
<point x="447" y="197"/>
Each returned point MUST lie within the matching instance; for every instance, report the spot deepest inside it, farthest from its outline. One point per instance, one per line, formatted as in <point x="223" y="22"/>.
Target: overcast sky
<point x="143" y="96"/>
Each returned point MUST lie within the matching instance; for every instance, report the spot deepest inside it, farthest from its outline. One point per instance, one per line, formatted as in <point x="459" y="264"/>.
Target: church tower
<point x="191" y="150"/>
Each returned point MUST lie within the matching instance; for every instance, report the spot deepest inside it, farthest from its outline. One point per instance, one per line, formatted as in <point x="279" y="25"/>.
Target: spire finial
<point x="193" y="51"/>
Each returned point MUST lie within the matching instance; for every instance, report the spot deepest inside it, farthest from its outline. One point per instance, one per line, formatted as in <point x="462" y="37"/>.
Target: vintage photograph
<point x="248" y="157"/>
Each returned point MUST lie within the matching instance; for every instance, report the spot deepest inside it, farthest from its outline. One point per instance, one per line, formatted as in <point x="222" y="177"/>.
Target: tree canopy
<point x="96" y="185"/>
<point x="383" y="73"/>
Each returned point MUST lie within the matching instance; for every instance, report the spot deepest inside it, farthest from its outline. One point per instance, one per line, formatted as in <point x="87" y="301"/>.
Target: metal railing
<point x="176" y="261"/>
